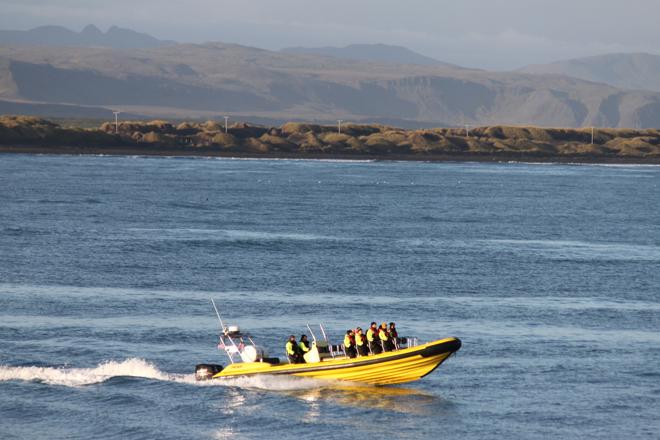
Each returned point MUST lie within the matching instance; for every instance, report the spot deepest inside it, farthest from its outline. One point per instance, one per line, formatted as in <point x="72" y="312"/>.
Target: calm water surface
<point x="549" y="274"/>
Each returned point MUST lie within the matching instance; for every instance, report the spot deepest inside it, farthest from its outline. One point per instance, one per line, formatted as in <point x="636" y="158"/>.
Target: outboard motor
<point x="206" y="371"/>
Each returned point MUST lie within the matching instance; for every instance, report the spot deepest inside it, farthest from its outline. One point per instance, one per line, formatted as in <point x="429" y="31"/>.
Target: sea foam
<point x="140" y="368"/>
<point x="75" y="377"/>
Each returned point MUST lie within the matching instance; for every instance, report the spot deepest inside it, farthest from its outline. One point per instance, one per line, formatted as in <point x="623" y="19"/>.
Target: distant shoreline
<point x="214" y="153"/>
<point x="295" y="140"/>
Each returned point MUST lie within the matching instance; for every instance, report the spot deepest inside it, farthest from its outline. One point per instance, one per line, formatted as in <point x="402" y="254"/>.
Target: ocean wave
<point x="581" y="250"/>
<point x="582" y="303"/>
<point x="582" y="164"/>
<point x="297" y="159"/>
<point x="572" y="250"/>
<point x="224" y="235"/>
<point x="17" y="231"/>
<point x="622" y="165"/>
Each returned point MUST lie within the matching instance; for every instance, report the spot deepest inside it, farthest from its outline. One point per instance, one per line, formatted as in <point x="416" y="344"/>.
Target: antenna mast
<point x="222" y="326"/>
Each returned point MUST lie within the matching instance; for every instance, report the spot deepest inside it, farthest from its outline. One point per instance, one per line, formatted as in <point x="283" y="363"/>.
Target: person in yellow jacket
<point x="293" y="351"/>
<point x="303" y="344"/>
<point x="361" y="342"/>
<point x="385" y="338"/>
<point x="372" y="338"/>
<point x="349" y="344"/>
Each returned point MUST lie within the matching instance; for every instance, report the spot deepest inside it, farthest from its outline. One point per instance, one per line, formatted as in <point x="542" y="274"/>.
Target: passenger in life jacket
<point x="361" y="342"/>
<point x="293" y="351"/>
<point x="372" y="338"/>
<point x="385" y="338"/>
<point x="303" y="344"/>
<point x="394" y="335"/>
<point x="349" y="344"/>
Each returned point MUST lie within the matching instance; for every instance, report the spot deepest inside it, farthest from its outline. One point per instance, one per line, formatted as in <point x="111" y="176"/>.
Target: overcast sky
<point x="492" y="34"/>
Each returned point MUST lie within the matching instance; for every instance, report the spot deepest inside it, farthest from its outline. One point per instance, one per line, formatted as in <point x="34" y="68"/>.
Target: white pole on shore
<point x="116" y="113"/>
<point x="226" y="119"/>
<point x="467" y="130"/>
<point x="339" y="121"/>
<point x="592" y="135"/>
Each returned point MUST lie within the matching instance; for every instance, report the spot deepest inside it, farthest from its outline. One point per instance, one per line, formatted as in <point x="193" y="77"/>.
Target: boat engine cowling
<point x="206" y="371"/>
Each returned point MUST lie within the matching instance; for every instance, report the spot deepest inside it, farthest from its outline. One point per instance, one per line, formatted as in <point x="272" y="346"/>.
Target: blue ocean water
<point x="548" y="273"/>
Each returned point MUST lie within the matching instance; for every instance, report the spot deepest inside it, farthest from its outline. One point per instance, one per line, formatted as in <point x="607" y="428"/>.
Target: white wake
<point x="75" y="377"/>
<point x="134" y="367"/>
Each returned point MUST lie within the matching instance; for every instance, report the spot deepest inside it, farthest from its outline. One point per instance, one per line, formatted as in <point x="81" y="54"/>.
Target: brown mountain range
<point x="209" y="80"/>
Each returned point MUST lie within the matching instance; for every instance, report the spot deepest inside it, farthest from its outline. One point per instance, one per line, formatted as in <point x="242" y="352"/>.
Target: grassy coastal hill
<point x="293" y="139"/>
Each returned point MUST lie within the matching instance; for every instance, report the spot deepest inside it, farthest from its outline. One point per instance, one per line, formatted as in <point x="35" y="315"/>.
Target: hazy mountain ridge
<point x="202" y="80"/>
<point x="90" y="36"/>
<point x="640" y="71"/>
<point x="371" y="52"/>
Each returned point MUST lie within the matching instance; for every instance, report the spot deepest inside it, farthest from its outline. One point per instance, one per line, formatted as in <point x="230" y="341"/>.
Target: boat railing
<point x="337" y="350"/>
<point x="407" y="342"/>
<point x="240" y="347"/>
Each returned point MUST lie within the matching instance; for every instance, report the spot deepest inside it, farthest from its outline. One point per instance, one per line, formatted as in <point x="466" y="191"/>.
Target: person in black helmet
<point x="293" y="351"/>
<point x="361" y="342"/>
<point x="303" y="344"/>
<point x="394" y="335"/>
<point x="373" y="339"/>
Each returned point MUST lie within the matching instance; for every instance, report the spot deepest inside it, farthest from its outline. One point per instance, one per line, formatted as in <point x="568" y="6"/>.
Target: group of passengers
<point x="377" y="340"/>
<point x="296" y="350"/>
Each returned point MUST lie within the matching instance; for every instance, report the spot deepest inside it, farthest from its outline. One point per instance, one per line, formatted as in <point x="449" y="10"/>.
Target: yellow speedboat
<point x="400" y="366"/>
<point x="325" y="361"/>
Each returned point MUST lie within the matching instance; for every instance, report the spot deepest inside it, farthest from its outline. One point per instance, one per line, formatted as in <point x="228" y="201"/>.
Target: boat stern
<point x="206" y="371"/>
